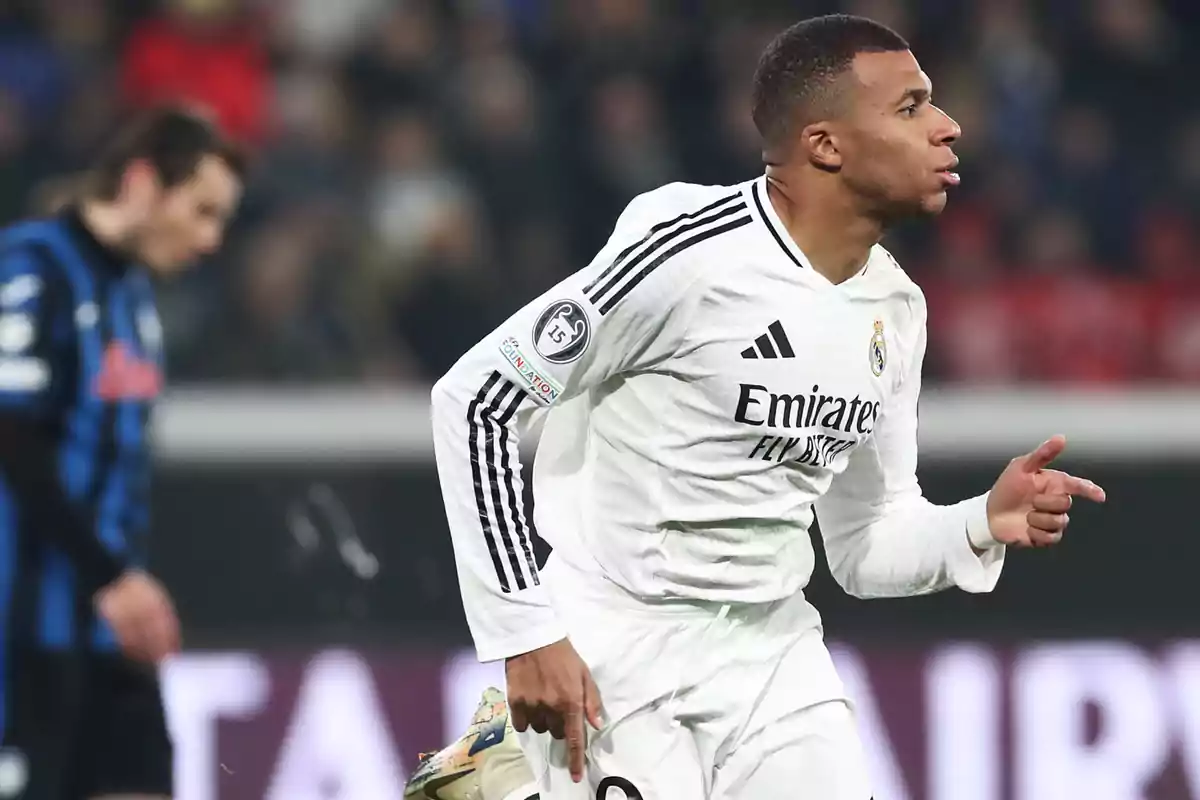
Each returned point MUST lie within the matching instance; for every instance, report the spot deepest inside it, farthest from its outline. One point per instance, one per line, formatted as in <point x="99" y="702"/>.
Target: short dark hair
<point x="794" y="84"/>
<point x="174" y="140"/>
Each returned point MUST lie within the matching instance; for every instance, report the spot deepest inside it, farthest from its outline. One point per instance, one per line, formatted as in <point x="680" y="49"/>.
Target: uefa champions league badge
<point x="878" y="350"/>
<point x="562" y="333"/>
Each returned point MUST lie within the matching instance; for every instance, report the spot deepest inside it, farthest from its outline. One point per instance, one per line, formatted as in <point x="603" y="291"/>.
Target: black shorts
<point x="83" y="725"/>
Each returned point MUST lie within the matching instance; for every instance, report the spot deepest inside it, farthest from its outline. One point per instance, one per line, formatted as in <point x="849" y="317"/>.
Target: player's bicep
<point x="31" y="335"/>
<point x="553" y="347"/>
<point x="620" y="313"/>
<point x="575" y="336"/>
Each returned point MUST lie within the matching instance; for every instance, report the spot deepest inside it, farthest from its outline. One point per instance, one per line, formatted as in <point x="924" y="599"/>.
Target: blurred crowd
<point x="426" y="166"/>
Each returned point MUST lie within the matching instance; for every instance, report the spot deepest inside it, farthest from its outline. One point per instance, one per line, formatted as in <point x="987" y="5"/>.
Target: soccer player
<point x="83" y="624"/>
<point x="732" y="362"/>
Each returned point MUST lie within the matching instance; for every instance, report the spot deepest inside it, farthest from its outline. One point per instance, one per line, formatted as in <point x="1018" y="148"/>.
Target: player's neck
<point x="108" y="222"/>
<point x="833" y="234"/>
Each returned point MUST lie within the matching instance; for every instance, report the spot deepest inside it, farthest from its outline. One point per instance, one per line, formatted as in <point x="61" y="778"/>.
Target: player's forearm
<point x="29" y="465"/>
<point x="476" y="443"/>
<point x="914" y="548"/>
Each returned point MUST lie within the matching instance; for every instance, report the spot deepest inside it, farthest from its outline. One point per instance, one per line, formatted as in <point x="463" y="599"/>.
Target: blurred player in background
<point x="733" y="360"/>
<point x="83" y="625"/>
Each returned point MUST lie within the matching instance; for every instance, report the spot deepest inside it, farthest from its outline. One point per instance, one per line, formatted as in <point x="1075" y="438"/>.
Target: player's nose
<point x="947" y="131"/>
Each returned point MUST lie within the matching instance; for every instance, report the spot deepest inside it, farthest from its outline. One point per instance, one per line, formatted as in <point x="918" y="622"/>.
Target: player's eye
<point x="909" y="110"/>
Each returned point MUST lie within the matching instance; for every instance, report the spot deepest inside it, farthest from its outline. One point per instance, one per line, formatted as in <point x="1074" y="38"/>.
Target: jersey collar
<point x="760" y="201"/>
<point x="763" y="209"/>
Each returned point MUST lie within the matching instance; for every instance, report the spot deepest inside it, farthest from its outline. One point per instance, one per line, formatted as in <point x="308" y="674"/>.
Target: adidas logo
<point x="772" y="344"/>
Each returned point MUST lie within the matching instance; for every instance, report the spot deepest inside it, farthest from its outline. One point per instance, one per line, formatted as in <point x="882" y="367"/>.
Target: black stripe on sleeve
<point x="685" y="244"/>
<point x="781" y="339"/>
<point x="477" y="476"/>
<point x="650" y="235"/>
<point x="608" y="288"/>
<point x="488" y="416"/>
<point x="489" y="441"/>
<point x="514" y="501"/>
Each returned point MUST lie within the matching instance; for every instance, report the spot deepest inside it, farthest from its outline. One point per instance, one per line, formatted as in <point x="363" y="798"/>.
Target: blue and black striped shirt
<point x="80" y="366"/>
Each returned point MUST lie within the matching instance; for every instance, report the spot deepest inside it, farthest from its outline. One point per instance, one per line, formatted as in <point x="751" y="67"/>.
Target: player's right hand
<point x="551" y="689"/>
<point x="141" y="615"/>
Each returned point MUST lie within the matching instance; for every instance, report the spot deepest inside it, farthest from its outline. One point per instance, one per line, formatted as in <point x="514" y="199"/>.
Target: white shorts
<point x="702" y="702"/>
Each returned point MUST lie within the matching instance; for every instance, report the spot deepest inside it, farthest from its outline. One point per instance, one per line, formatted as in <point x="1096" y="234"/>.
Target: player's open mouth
<point x="948" y="173"/>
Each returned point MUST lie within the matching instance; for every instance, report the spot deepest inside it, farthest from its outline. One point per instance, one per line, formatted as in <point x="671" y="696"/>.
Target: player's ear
<point x="140" y="181"/>
<point x="820" y="144"/>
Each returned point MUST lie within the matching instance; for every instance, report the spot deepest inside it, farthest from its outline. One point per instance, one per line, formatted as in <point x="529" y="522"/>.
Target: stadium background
<point x="427" y="165"/>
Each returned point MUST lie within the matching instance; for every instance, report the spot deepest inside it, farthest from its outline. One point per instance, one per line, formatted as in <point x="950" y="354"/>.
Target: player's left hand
<point x="1028" y="505"/>
<point x="142" y="616"/>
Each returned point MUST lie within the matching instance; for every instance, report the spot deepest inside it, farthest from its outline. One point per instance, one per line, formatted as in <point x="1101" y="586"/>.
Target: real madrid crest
<point x="878" y="351"/>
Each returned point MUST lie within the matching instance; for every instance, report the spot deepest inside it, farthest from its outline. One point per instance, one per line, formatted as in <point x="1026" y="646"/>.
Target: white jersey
<point x="708" y="390"/>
